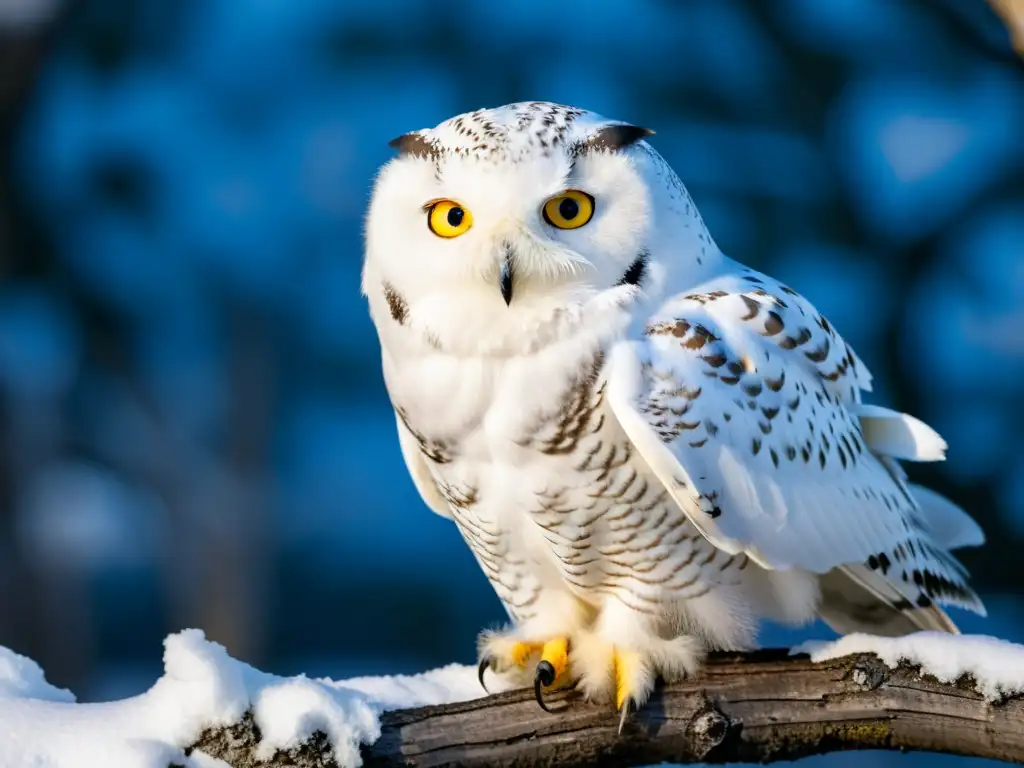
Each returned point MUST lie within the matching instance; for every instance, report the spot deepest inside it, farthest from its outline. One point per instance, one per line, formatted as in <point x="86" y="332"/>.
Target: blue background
<point x="193" y="426"/>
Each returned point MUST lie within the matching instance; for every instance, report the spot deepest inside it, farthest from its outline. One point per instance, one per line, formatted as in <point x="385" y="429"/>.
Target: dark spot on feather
<point x="396" y="303"/>
<point x="613" y="138"/>
<point x="752" y="307"/>
<point x="820" y="354"/>
<point x="415" y="144"/>
<point x="773" y="324"/>
<point x="636" y="271"/>
<point x="701" y="336"/>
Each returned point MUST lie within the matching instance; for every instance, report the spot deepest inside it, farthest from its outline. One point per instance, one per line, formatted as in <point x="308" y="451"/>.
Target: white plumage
<point x="647" y="445"/>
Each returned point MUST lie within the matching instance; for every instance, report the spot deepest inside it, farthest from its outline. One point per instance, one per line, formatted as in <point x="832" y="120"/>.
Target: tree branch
<point x="754" y="707"/>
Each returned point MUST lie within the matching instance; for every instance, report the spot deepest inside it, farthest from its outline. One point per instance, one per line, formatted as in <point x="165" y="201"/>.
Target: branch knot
<point x="709" y="727"/>
<point x="869" y="672"/>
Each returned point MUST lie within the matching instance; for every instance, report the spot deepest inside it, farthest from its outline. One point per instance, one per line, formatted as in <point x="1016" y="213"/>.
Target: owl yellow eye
<point x="569" y="210"/>
<point x="446" y="218"/>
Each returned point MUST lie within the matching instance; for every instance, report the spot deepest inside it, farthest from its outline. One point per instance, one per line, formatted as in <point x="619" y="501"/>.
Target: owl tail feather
<point x="899" y="435"/>
<point x="947" y="524"/>
<point x="859" y="598"/>
<point x="856" y="599"/>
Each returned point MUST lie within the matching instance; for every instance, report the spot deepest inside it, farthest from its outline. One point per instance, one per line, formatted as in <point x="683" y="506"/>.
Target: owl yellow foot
<point x="552" y="667"/>
<point x="501" y="654"/>
<point x="521" y="653"/>
<point x="504" y="655"/>
<point x="626" y="664"/>
<point x="628" y="670"/>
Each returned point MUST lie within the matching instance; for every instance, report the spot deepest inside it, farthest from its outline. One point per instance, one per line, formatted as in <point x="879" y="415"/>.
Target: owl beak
<point x="505" y="278"/>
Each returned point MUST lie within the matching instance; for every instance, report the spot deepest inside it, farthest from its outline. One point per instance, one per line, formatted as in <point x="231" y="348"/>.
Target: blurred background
<point x="193" y="426"/>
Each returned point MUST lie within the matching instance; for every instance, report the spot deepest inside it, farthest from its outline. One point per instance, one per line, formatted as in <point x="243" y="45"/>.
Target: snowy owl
<point x="647" y="445"/>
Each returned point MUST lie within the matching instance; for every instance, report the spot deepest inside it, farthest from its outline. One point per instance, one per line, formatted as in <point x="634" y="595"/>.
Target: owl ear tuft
<point x="615" y="137"/>
<point x="415" y="144"/>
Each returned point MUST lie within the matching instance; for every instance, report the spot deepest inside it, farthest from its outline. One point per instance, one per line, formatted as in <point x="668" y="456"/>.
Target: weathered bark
<point x="756" y="707"/>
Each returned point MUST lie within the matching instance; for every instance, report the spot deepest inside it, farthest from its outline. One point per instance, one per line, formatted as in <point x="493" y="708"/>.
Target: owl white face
<point x="512" y="215"/>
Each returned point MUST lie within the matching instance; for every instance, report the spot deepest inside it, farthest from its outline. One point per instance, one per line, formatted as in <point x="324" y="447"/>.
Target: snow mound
<point x="203" y="687"/>
<point x="997" y="666"/>
<point x="22" y="678"/>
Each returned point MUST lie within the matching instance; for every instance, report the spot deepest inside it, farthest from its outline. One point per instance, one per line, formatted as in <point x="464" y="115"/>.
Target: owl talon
<point x="487" y="662"/>
<point x="626" y="707"/>
<point x="544" y="676"/>
<point x="553" y="664"/>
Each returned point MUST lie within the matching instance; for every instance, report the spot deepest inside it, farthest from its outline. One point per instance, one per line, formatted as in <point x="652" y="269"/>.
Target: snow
<point x="997" y="666"/>
<point x="203" y="687"/>
<point x="22" y="678"/>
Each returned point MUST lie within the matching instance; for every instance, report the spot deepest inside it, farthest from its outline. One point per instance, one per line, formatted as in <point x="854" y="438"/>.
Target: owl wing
<point x="417" y="466"/>
<point x="746" y="404"/>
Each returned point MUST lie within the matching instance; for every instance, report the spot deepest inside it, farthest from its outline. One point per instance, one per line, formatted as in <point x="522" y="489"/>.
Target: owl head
<point x="507" y="227"/>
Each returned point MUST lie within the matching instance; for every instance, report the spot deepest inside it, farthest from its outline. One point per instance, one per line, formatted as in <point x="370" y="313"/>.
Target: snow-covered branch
<point x="760" y="707"/>
<point x="928" y="691"/>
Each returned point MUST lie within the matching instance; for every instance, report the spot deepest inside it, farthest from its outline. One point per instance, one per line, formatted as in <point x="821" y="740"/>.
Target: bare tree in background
<point x="30" y="429"/>
<point x="215" y="553"/>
